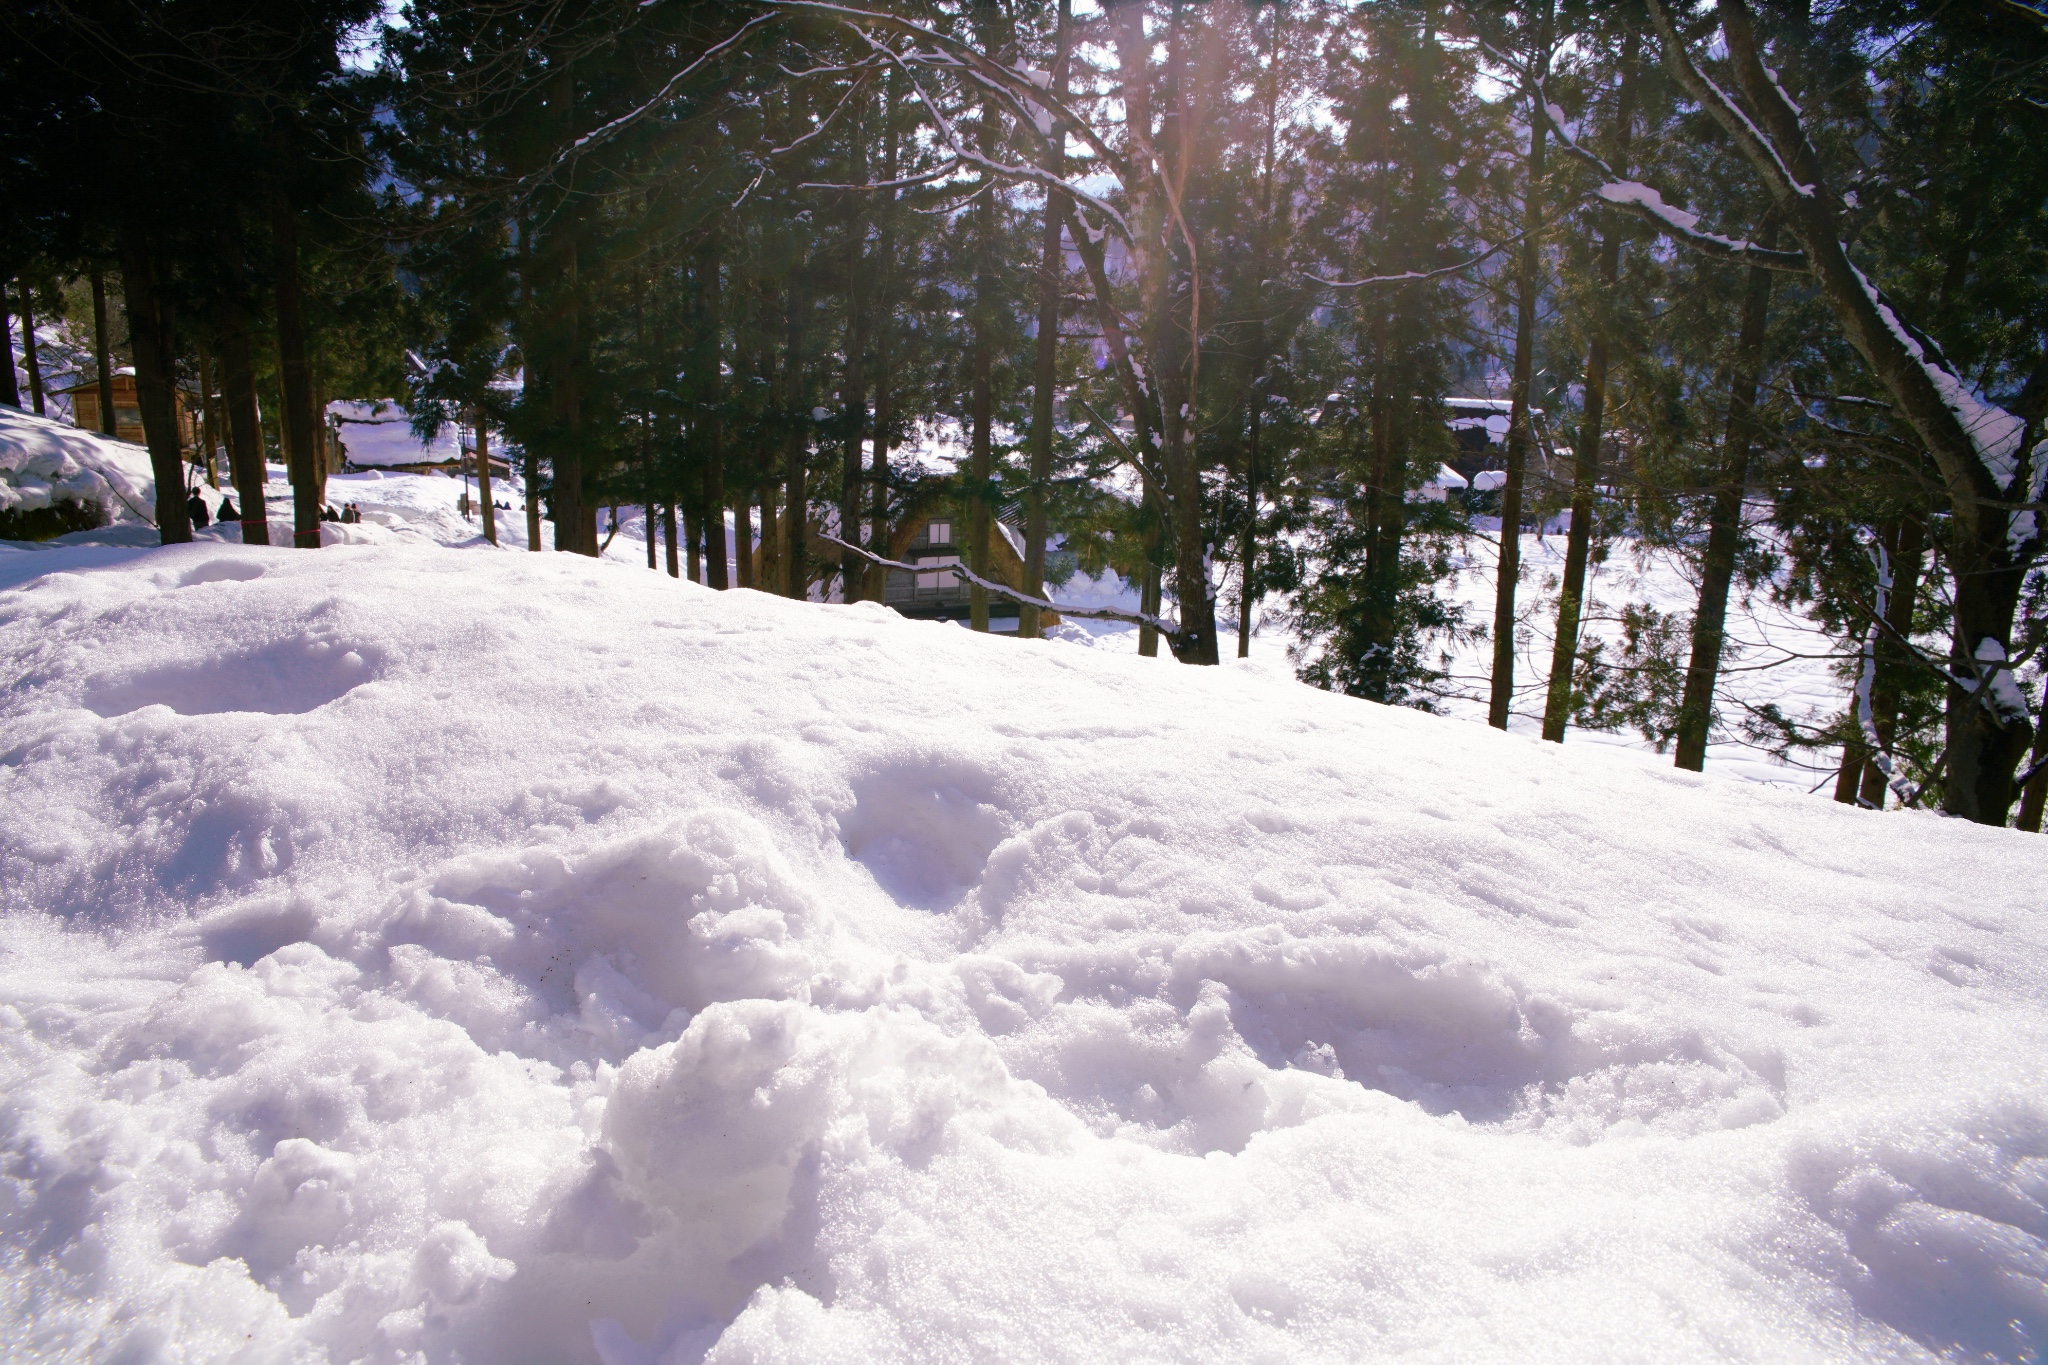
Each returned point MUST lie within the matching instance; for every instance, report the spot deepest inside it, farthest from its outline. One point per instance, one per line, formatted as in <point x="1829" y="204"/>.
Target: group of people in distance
<point x="196" y="509"/>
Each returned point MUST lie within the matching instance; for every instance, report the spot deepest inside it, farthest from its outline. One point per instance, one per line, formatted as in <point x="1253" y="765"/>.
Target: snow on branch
<point x="1639" y="199"/>
<point x="1683" y="227"/>
<point x="1995" y="434"/>
<point x="1170" y="629"/>
<point x="905" y="182"/>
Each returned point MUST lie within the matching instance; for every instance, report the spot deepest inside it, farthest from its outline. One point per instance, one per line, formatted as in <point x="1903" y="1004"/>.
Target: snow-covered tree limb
<point x="1633" y="196"/>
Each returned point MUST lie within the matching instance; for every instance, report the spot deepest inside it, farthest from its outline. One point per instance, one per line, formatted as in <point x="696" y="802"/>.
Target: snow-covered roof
<point x="377" y="434"/>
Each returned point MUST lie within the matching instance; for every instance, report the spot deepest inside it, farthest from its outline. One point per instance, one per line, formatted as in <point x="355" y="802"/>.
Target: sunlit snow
<point x="418" y="954"/>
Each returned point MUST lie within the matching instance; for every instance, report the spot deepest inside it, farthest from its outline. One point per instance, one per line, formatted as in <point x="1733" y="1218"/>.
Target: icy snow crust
<point x="502" y="957"/>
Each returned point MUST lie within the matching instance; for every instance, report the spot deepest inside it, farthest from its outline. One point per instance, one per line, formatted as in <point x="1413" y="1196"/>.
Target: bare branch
<point x="1411" y="276"/>
<point x="605" y="131"/>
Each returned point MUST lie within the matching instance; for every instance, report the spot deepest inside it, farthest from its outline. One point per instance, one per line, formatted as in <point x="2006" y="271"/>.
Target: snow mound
<point x="415" y="955"/>
<point x="43" y="462"/>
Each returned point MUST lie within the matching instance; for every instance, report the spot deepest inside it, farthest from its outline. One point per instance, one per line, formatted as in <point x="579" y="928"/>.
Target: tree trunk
<point x="711" y="420"/>
<point x="1571" y="598"/>
<point x="1052" y="263"/>
<point x="483" y="479"/>
<point x="102" y="353"/>
<point x="1724" y="525"/>
<point x="652" y="552"/>
<point x="668" y="538"/>
<point x="1151" y="588"/>
<point x="295" y="377"/>
<point x="877" y="583"/>
<point x="980" y="453"/>
<point x="769" y="574"/>
<point x="531" y="477"/>
<point x="795" y="519"/>
<point x="153" y="338"/>
<point x="244" y="428"/>
<point x="30" y="361"/>
<point x="2035" y="793"/>
<point x="10" y="387"/>
<point x="575" y="517"/>
<point x="209" y="428"/>
<point x="693" y="544"/>
<point x="854" y="395"/>
<point x="1528" y="282"/>
<point x="1255" y="394"/>
<point x="1906" y="550"/>
<point x="323" y="453"/>
<point x="743" y="541"/>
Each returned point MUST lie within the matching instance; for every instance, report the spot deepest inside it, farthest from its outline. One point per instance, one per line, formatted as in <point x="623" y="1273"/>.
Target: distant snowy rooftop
<point x="377" y="434"/>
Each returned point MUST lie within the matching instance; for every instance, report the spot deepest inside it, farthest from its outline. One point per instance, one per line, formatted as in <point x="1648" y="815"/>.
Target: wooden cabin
<point x="85" y="409"/>
<point x="935" y="593"/>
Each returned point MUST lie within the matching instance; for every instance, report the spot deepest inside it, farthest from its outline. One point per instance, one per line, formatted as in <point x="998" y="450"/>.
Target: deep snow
<point x="505" y="957"/>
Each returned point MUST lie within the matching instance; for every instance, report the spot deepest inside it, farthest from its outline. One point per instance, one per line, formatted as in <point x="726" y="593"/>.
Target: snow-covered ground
<point x="1775" y="656"/>
<point x="419" y="955"/>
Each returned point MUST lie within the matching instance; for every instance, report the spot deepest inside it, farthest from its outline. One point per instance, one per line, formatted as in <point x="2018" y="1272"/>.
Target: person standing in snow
<point x="227" y="512"/>
<point x="195" y="507"/>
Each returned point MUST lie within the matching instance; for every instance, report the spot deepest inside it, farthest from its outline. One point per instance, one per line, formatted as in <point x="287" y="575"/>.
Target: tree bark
<point x="102" y="352"/>
<point x="1724" y="524"/>
<point x="244" y="427"/>
<point x="294" y="376"/>
<point x="1571" y="599"/>
<point x="668" y="538"/>
<point x="1528" y="281"/>
<point x="153" y="338"/>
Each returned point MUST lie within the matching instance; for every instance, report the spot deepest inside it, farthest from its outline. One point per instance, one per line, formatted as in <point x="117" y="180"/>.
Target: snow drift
<point x="45" y="462"/>
<point x="416" y="955"/>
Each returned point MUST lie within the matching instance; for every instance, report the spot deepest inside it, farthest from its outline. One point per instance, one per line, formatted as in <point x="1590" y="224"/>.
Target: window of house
<point x="939" y="533"/>
<point x="127" y="417"/>
<point x="943" y="578"/>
